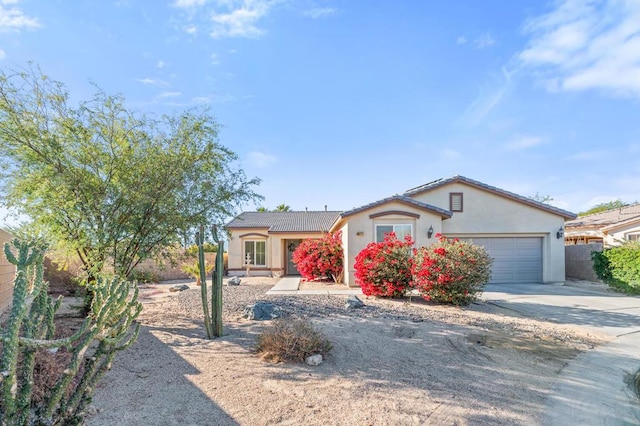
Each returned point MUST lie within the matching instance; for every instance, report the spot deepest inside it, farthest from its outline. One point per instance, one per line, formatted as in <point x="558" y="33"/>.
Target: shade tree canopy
<point x="111" y="185"/>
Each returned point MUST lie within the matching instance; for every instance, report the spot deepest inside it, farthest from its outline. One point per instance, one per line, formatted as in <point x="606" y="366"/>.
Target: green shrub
<point x="208" y="248"/>
<point x="291" y="340"/>
<point x="144" y="277"/>
<point x="601" y="265"/>
<point x="619" y="267"/>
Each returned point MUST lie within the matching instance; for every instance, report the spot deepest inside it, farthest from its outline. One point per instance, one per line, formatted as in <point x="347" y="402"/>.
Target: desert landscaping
<point x="393" y="362"/>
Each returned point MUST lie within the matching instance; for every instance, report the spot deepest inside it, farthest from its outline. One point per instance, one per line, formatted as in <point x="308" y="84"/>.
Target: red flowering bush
<point x="451" y="271"/>
<point x="321" y="258"/>
<point x="384" y="269"/>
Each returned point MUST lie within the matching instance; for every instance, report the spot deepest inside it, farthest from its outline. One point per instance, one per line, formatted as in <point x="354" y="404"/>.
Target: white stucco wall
<point x="360" y="230"/>
<point x="489" y="215"/>
<point x="617" y="236"/>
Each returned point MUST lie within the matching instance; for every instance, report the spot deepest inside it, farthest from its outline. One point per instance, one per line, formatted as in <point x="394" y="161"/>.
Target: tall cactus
<point x="216" y="284"/>
<point x="30" y="328"/>
<point x="213" y="316"/>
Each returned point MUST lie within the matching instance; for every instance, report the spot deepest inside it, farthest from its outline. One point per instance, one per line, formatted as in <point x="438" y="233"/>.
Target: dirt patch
<point x="393" y="362"/>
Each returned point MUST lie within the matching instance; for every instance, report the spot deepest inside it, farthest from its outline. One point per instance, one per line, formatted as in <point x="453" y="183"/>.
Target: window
<point x="633" y="237"/>
<point x="257" y="250"/>
<point x="400" y="230"/>
<point x="455" y="201"/>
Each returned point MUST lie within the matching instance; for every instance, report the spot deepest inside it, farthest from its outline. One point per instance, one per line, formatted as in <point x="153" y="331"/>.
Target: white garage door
<point x="515" y="259"/>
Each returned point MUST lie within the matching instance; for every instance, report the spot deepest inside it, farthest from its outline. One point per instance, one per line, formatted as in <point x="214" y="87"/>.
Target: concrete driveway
<point x="594" y="388"/>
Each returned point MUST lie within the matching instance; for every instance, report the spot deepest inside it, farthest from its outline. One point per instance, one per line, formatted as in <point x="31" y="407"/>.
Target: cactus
<point x="216" y="284"/>
<point x="30" y="328"/>
<point x="213" y="316"/>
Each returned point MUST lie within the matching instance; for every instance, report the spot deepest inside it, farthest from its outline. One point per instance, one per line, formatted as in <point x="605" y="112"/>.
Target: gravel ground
<point x="394" y="362"/>
<point x="416" y="310"/>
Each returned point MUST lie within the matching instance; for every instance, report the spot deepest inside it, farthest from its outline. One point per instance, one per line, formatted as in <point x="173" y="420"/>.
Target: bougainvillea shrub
<point x="384" y="269"/>
<point x="451" y="271"/>
<point x="322" y="258"/>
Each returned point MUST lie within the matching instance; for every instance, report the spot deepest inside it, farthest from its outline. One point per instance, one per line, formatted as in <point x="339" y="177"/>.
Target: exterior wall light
<point x="560" y="233"/>
<point x="430" y="232"/>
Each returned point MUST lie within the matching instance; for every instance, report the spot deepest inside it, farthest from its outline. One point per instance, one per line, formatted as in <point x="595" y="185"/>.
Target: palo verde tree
<point x="112" y="185"/>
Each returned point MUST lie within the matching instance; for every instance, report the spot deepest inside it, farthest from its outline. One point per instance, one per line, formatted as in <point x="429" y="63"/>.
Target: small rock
<point x="313" y="359"/>
<point x="143" y="375"/>
<point x="353" y="302"/>
<point x="233" y="281"/>
<point x="261" y="311"/>
<point x="182" y="287"/>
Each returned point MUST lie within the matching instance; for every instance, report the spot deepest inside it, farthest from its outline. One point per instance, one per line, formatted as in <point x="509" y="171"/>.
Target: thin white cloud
<point x="13" y="19"/>
<point x="461" y="40"/>
<point x="224" y="18"/>
<point x="169" y="94"/>
<point x="586" y="155"/>
<point x="583" y="45"/>
<point x="261" y="160"/>
<point x="524" y="142"/>
<point x="449" y="154"/>
<point x="186" y="4"/>
<point x="161" y="64"/>
<point x="152" y="81"/>
<point x="487" y="100"/>
<point x="3" y="54"/>
<point x="320" y="12"/>
<point x="241" y="19"/>
<point x="484" y="41"/>
<point x="214" y="59"/>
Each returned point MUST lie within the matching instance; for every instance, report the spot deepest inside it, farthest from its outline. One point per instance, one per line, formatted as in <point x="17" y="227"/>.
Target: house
<point x="522" y="235"/>
<point x="266" y="240"/>
<point x="609" y="228"/>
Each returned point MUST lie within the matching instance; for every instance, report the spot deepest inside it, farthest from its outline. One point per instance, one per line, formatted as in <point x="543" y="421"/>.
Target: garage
<point x="515" y="259"/>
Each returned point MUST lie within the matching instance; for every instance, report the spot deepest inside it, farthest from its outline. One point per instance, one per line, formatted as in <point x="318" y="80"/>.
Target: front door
<point x="290" y="247"/>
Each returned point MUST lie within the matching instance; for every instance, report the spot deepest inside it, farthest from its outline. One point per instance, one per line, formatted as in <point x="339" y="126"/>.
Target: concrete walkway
<point x="594" y="389"/>
<point x="289" y="286"/>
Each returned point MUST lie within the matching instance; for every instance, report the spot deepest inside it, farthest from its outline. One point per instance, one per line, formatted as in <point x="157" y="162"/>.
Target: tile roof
<point x="525" y="200"/>
<point x="403" y="199"/>
<point x="299" y="221"/>
<point x="607" y="218"/>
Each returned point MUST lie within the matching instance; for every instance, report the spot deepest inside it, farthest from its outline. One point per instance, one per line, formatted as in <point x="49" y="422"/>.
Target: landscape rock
<point x="353" y="302"/>
<point x="233" y="281"/>
<point x="261" y="311"/>
<point x="313" y="359"/>
<point x="181" y="287"/>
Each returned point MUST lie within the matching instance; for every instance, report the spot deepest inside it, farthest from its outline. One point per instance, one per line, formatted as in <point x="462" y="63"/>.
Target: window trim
<point x="451" y="197"/>
<point x="393" y="225"/>
<point x="636" y="235"/>
<point x="253" y="261"/>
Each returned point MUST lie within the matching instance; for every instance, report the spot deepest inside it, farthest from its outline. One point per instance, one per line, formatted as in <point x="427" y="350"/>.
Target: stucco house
<point x="609" y="228"/>
<point x="522" y="235"/>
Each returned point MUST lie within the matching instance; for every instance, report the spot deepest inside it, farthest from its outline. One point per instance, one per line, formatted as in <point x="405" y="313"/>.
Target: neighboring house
<point x="267" y="239"/>
<point x="522" y="235"/>
<point x="609" y="228"/>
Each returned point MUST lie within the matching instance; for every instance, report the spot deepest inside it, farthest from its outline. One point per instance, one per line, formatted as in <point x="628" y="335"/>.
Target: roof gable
<point x="298" y="221"/>
<point x="497" y="191"/>
<point x="445" y="214"/>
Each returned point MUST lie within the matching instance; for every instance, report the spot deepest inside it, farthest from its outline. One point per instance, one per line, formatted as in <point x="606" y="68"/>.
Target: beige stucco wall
<point x="7" y="273"/>
<point x="489" y="215"/>
<point x="275" y="245"/>
<point x="360" y="230"/>
<point x="617" y="236"/>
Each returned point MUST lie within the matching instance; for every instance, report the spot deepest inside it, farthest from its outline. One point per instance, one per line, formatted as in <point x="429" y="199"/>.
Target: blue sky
<point x="341" y="103"/>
